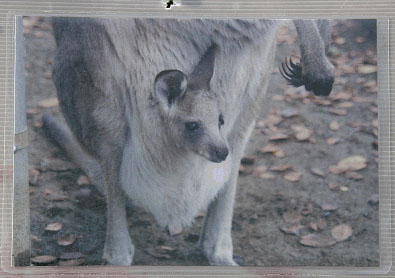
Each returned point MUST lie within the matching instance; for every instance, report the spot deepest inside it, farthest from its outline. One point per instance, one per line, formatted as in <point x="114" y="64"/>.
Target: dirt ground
<point x="293" y="207"/>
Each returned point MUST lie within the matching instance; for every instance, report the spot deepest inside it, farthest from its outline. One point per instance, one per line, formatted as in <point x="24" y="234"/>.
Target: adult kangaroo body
<point x="171" y="141"/>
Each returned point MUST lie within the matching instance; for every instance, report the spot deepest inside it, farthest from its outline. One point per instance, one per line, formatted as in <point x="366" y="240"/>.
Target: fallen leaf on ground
<point x="36" y="238"/>
<point x="282" y="167"/>
<point x="32" y="111"/>
<point x="270" y="148"/>
<point x="54" y="227"/>
<point x="292" y="230"/>
<point x="351" y="163"/>
<point x="333" y="125"/>
<point x="292" y="176"/>
<point x="354" y="176"/>
<point x="317" y="240"/>
<point x="367" y="69"/>
<point x="278" y="137"/>
<point x="245" y="171"/>
<point x="345" y="104"/>
<point x="317" y="172"/>
<point x="259" y="170"/>
<point x="67" y="240"/>
<point x="289" y="113"/>
<point x="301" y="132"/>
<point x="339" y="112"/>
<point x="360" y="39"/>
<point x="43" y="260"/>
<point x="374" y="199"/>
<point x="343" y="188"/>
<point x="340" y="40"/>
<point x="83" y="180"/>
<point x="341" y="232"/>
<point x="280" y="153"/>
<point x="333" y="186"/>
<point x="167" y="248"/>
<point x="48" y="103"/>
<point x="343" y="95"/>
<point x="313" y="226"/>
<point x="332" y="140"/>
<point x="362" y="99"/>
<point x="292" y="217"/>
<point x="329" y="206"/>
<point x="267" y="176"/>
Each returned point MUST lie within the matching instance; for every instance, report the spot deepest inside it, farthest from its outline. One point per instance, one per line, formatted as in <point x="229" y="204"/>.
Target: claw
<point x="292" y="72"/>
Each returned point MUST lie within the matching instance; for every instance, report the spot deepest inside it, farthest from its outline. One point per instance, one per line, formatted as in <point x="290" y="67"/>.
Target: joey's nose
<point x="221" y="153"/>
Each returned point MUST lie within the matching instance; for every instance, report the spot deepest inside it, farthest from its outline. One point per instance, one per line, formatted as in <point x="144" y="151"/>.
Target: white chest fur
<point x="174" y="198"/>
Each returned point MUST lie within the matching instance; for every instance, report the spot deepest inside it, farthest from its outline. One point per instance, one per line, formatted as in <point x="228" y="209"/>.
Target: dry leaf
<point x="343" y="188"/>
<point x="302" y="132"/>
<point x="367" y="69"/>
<point x="32" y="111"/>
<point x="332" y="140"/>
<point x="313" y="226"/>
<point x="292" y="176"/>
<point x="317" y="172"/>
<point x="270" y="148"/>
<point x="267" y="176"/>
<point x="329" y="206"/>
<point x="341" y="232"/>
<point x="317" y="240"/>
<point x="289" y="113"/>
<point x="360" y="39"/>
<point x="278" y="137"/>
<point x="293" y="230"/>
<point x="345" y="104"/>
<point x="282" y="167"/>
<point x="67" y="240"/>
<point x="339" y="112"/>
<point x="333" y="125"/>
<point x="333" y="186"/>
<point x="83" y="180"/>
<point x="43" y="260"/>
<point x="259" y="170"/>
<point x="35" y="238"/>
<point x="351" y="163"/>
<point x="353" y="176"/>
<point x="280" y="153"/>
<point x="362" y="99"/>
<point x="245" y="171"/>
<point x="343" y="95"/>
<point x="340" y="40"/>
<point x="54" y="227"/>
<point x="48" y="103"/>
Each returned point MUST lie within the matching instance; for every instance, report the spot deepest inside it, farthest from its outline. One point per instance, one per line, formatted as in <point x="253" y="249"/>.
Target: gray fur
<point x="106" y="74"/>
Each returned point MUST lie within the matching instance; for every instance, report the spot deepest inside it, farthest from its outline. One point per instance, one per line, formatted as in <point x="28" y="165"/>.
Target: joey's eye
<point x="221" y="120"/>
<point x="192" y="126"/>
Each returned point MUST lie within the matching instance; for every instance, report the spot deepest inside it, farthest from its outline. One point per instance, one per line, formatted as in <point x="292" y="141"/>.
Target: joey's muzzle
<point x="218" y="153"/>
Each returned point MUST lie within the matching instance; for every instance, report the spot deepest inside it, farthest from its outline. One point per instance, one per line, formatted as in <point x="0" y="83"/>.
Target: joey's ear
<point x="202" y="74"/>
<point x="169" y="85"/>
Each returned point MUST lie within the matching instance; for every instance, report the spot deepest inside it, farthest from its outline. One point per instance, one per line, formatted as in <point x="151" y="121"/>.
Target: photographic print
<point x="202" y="142"/>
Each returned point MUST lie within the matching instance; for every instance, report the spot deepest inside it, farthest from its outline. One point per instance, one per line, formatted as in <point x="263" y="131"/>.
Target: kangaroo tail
<point x="62" y="136"/>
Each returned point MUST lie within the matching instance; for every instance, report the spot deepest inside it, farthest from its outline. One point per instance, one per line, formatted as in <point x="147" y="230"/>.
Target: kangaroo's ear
<point x="203" y="72"/>
<point x="170" y="85"/>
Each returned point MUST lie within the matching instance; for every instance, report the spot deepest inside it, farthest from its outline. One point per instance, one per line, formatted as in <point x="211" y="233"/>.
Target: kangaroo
<point x="159" y="112"/>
